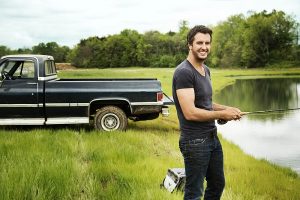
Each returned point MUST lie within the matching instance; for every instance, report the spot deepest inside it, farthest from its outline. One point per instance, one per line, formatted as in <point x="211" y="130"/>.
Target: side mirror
<point x="5" y="75"/>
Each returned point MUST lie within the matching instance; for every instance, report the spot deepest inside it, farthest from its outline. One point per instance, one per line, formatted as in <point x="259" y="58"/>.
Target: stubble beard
<point x="198" y="58"/>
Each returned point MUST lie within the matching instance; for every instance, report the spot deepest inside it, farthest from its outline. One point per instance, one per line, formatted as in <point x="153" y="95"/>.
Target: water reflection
<point x="272" y="135"/>
<point x="261" y="94"/>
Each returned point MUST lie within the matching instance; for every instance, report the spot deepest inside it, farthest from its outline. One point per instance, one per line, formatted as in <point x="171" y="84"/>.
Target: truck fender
<point x="123" y="103"/>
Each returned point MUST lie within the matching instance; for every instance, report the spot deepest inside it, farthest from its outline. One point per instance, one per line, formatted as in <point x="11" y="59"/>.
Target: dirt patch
<point x="64" y="66"/>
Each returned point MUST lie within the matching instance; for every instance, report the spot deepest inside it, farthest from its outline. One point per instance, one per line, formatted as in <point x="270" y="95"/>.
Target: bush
<point x="165" y="61"/>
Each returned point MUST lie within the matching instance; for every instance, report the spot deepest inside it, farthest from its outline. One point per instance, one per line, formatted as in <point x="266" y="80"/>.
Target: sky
<point x="24" y="24"/>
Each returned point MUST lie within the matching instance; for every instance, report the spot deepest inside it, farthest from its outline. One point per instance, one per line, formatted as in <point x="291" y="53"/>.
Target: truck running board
<point x="41" y="121"/>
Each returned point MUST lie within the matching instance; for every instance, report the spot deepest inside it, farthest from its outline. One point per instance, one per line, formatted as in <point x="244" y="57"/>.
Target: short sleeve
<point x="183" y="78"/>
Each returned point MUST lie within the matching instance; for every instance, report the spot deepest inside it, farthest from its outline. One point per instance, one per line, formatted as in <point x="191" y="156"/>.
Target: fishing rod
<point x="221" y="121"/>
<point x="270" y="111"/>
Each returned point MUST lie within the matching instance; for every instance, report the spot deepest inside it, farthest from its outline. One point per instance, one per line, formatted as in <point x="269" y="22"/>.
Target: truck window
<point x="50" y="68"/>
<point x="25" y="70"/>
<point x="18" y="69"/>
<point x="7" y="66"/>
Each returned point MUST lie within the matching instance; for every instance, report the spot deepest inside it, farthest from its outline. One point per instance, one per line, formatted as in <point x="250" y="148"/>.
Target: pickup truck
<point x="32" y="94"/>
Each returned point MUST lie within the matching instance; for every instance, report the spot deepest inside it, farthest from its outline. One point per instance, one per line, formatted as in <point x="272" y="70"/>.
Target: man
<point x="199" y="144"/>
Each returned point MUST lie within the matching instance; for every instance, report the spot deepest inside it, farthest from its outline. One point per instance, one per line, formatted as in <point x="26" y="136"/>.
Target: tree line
<point x="256" y="40"/>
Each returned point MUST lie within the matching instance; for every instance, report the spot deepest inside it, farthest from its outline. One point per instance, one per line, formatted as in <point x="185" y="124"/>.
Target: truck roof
<point x="37" y="56"/>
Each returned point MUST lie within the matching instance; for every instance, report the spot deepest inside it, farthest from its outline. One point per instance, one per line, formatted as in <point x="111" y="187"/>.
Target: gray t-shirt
<point x="186" y="76"/>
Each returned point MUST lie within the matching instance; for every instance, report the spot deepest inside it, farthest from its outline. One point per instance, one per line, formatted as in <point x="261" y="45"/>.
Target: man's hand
<point x="231" y="113"/>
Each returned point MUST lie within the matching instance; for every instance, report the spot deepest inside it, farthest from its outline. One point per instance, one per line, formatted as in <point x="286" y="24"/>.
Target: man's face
<point x="201" y="46"/>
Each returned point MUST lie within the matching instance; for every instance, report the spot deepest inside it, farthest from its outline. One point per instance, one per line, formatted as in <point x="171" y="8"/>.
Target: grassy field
<point x="76" y="162"/>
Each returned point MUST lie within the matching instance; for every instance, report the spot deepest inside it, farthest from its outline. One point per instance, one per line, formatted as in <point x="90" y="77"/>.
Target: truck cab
<point x="20" y="91"/>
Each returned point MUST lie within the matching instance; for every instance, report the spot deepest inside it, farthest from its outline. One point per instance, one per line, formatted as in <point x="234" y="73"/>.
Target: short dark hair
<point x="197" y="29"/>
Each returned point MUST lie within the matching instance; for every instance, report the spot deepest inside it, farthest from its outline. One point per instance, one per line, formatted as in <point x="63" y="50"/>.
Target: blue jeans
<point x="203" y="158"/>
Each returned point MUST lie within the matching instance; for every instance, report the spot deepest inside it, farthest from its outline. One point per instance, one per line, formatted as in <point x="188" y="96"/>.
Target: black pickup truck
<point x="32" y="94"/>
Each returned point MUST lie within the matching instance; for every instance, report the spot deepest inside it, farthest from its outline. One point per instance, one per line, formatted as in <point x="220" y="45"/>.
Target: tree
<point x="228" y="42"/>
<point x="4" y="51"/>
<point x="53" y="49"/>
<point x="88" y="53"/>
<point x="268" y="37"/>
<point x="183" y="28"/>
<point x="255" y="41"/>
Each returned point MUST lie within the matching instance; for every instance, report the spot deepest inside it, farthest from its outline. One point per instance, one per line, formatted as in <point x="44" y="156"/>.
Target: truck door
<point x="19" y="90"/>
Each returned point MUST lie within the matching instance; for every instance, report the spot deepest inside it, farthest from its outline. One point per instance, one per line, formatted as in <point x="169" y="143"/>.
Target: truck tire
<point x="110" y="118"/>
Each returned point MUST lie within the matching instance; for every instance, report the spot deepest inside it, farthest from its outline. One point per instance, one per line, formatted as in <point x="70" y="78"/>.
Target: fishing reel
<point x="221" y="121"/>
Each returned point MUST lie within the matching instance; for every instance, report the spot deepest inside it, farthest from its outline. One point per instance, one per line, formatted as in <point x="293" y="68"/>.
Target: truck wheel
<point x="110" y="118"/>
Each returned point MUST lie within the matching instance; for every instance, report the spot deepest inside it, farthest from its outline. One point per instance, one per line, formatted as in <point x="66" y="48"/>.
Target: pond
<point x="272" y="136"/>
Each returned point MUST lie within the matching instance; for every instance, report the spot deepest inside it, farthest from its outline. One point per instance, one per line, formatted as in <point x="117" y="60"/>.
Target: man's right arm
<point x="186" y="98"/>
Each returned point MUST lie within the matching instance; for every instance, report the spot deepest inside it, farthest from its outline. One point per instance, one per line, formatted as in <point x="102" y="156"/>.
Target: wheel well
<point x="95" y="105"/>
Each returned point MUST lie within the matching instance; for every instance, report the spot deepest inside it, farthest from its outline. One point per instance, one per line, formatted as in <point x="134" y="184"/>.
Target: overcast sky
<point x="24" y="23"/>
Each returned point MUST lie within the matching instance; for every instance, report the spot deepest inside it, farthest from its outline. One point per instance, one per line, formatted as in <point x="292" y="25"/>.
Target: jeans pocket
<point x="198" y="152"/>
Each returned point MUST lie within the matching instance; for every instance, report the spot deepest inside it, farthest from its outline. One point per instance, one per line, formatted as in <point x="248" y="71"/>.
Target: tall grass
<point x="76" y="162"/>
<point x="37" y="164"/>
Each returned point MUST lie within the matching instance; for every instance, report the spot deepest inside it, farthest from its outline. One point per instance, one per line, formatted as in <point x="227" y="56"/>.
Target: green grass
<point x="76" y="162"/>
